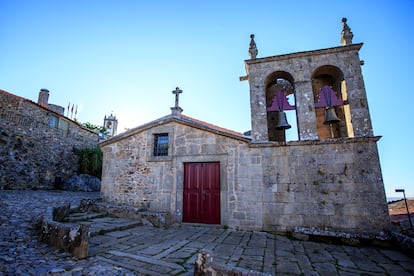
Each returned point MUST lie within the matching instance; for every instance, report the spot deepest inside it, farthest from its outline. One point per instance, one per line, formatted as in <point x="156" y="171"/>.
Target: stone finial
<point x="346" y="34"/>
<point x="252" y="49"/>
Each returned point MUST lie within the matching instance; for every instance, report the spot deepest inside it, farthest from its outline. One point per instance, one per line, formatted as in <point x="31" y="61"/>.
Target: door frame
<point x="203" y="171"/>
<point x="177" y="214"/>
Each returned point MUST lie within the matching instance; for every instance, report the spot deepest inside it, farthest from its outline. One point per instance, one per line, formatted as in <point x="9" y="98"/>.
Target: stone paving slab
<point x="175" y="249"/>
<point x="145" y="250"/>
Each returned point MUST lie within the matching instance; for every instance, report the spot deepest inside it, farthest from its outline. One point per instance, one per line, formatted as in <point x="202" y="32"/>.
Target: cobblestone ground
<point x="160" y="251"/>
<point x="20" y="251"/>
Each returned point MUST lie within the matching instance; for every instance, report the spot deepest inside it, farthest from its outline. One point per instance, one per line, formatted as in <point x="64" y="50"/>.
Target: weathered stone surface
<point x="60" y="213"/>
<point x="73" y="239"/>
<point x="21" y="252"/>
<point x="264" y="186"/>
<point x="83" y="183"/>
<point x="167" y="251"/>
<point x="205" y="266"/>
<point x="157" y="219"/>
<point x="34" y="153"/>
<point x="404" y="242"/>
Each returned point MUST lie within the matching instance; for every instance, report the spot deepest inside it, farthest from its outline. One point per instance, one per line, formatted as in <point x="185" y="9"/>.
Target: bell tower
<point x="322" y="90"/>
<point x="111" y="124"/>
<point x="320" y="97"/>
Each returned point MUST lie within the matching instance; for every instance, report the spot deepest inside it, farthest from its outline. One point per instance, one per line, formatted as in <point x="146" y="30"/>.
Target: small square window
<point x="63" y="126"/>
<point x="161" y="144"/>
<point x="53" y="121"/>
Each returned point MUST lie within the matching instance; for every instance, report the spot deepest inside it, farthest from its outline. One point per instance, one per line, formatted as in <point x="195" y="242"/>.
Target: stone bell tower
<point x="111" y="124"/>
<point x="313" y="85"/>
<point x="331" y="172"/>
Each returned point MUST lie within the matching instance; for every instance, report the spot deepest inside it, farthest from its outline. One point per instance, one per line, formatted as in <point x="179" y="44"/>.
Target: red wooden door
<point x="201" y="201"/>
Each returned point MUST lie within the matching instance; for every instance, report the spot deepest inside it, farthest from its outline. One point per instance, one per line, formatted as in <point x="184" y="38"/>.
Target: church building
<point x="329" y="178"/>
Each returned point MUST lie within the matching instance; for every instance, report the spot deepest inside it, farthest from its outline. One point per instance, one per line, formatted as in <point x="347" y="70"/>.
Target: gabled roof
<point x="181" y="119"/>
<point x="15" y="96"/>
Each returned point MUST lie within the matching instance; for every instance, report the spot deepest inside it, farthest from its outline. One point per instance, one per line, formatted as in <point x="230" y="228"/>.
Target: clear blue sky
<point x="126" y="57"/>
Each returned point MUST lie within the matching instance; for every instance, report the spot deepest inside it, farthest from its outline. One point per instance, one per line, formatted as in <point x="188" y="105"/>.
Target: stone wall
<point x="326" y="185"/>
<point x="131" y="175"/>
<point x="332" y="184"/>
<point x="35" y="150"/>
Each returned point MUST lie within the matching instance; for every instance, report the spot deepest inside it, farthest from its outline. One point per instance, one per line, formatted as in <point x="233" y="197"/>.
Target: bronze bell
<point x="330" y="116"/>
<point x="282" y="122"/>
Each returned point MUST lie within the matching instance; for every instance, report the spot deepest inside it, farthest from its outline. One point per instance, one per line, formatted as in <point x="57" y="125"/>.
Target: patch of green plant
<point x="90" y="161"/>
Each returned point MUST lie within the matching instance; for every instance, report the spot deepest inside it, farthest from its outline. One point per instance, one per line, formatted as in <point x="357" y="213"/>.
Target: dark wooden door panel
<point x="201" y="200"/>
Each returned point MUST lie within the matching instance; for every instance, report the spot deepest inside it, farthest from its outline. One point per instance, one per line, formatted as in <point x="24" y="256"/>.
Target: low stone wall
<point x="354" y="239"/>
<point x="389" y="239"/>
<point x="382" y="239"/>
<point x="405" y="243"/>
<point x="74" y="240"/>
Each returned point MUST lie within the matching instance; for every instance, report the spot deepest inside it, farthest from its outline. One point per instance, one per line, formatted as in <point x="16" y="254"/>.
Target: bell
<point x="282" y="122"/>
<point x="330" y="116"/>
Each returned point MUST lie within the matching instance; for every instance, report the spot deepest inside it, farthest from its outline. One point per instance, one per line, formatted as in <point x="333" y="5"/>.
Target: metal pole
<point x="406" y="206"/>
<point x="408" y="211"/>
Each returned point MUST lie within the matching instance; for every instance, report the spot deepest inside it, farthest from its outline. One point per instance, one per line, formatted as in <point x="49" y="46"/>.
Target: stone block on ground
<point x="83" y="183"/>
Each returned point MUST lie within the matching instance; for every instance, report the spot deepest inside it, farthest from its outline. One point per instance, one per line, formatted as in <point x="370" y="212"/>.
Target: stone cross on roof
<point x="176" y="110"/>
<point x="177" y="93"/>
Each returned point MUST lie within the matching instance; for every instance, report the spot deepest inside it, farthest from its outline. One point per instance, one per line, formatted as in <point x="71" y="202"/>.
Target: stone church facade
<point x="329" y="178"/>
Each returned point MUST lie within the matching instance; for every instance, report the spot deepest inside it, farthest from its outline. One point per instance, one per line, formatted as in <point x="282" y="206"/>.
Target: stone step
<point x="101" y="226"/>
<point x="74" y="217"/>
<point x="101" y="223"/>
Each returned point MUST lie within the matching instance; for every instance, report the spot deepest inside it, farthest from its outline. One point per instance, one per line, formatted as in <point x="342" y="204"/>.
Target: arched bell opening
<point x="329" y="91"/>
<point x="281" y="107"/>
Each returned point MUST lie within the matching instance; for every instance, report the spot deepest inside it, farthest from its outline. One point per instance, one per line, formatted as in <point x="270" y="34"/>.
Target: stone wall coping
<point x="405" y="243"/>
<point x="326" y="51"/>
<point x="340" y="140"/>
<point x="339" y="234"/>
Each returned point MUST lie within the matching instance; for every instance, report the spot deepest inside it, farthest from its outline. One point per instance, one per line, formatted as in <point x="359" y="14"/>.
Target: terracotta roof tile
<point x="213" y="126"/>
